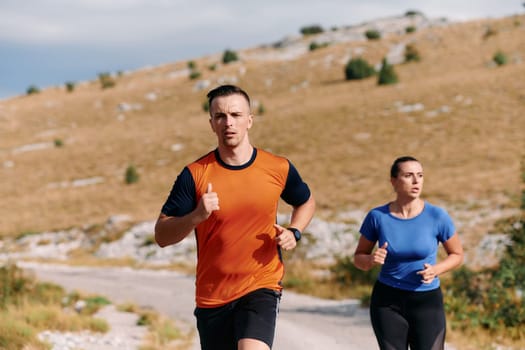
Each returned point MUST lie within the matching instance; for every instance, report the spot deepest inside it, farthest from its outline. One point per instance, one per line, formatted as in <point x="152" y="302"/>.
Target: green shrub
<point x="387" y="75"/>
<point x="70" y="86"/>
<point x="314" y="45"/>
<point x="489" y="32"/>
<point x="191" y="65"/>
<point x="500" y="58"/>
<point x="261" y="110"/>
<point x="132" y="175"/>
<point x="206" y="106"/>
<point x="32" y="89"/>
<point x="58" y="143"/>
<point x="195" y="75"/>
<point x="212" y="67"/>
<point x="147" y="318"/>
<point x="229" y="56"/>
<point x="373" y="34"/>
<point x="148" y="241"/>
<point x="106" y="81"/>
<point x="345" y="273"/>
<point x="311" y="29"/>
<point x="13" y="285"/>
<point x="410" y="29"/>
<point x="411" y="53"/>
<point x="411" y="13"/>
<point x="94" y="303"/>
<point x="358" y="68"/>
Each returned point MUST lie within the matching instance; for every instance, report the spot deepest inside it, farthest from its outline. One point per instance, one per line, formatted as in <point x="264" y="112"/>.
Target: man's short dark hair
<point x="226" y="90"/>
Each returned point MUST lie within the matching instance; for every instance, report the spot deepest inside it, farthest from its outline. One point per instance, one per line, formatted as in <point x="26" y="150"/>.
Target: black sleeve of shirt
<point x="181" y="200"/>
<point x="296" y="191"/>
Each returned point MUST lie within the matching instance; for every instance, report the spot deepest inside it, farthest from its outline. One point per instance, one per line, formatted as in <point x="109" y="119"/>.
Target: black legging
<point x="401" y="318"/>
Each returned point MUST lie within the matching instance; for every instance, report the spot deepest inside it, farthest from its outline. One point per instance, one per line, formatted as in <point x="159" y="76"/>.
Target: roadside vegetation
<point x="163" y="333"/>
<point x="491" y="302"/>
<point x="28" y="307"/>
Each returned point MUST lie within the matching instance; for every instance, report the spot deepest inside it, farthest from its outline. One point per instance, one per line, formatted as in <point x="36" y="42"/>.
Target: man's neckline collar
<point x="236" y="167"/>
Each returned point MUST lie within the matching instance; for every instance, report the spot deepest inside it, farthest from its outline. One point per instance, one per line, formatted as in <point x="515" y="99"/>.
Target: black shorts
<point x="401" y="318"/>
<point x="251" y="316"/>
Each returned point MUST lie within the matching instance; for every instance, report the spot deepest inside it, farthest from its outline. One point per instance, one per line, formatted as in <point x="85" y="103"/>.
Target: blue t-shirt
<point x="411" y="243"/>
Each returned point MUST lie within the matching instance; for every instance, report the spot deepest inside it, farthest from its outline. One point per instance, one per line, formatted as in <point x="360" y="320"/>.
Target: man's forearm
<point x="170" y="229"/>
<point x="302" y="215"/>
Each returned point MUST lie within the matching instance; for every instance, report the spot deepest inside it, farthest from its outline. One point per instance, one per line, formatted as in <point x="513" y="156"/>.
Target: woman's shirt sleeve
<point x="369" y="227"/>
<point x="446" y="227"/>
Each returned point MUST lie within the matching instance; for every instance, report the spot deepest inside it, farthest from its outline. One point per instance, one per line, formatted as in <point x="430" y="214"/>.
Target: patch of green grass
<point x="29" y="307"/>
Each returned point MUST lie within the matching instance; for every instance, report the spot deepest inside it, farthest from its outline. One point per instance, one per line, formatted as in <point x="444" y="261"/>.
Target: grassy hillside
<point x="467" y="129"/>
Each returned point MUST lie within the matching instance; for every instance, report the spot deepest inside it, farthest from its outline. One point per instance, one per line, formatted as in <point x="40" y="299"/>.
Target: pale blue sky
<point x="49" y="42"/>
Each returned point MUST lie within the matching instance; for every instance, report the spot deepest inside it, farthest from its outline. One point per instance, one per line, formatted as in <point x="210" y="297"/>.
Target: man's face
<point x="230" y="120"/>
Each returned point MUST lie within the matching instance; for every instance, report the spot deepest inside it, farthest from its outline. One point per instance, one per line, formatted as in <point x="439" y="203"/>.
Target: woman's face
<point x="409" y="180"/>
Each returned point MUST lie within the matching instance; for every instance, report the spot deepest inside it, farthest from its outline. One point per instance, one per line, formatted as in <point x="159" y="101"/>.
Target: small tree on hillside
<point x="411" y="54"/>
<point x="373" y="34"/>
<point x="261" y="110"/>
<point x="206" y="106"/>
<point x="315" y="46"/>
<point x="106" y="80"/>
<point x="500" y="58"/>
<point x="358" y="68"/>
<point x="132" y="175"/>
<point x="411" y="13"/>
<point x="195" y="74"/>
<point x="311" y="29"/>
<point x="387" y="75"/>
<point x="33" y="89"/>
<point x="70" y="86"/>
<point x="229" y="56"/>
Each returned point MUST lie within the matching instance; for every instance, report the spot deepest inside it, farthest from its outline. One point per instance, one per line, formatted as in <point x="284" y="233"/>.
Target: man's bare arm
<point x="173" y="229"/>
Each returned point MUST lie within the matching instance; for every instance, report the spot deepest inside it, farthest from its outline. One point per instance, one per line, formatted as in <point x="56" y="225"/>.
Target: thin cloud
<point x="131" y="21"/>
<point x="45" y="42"/>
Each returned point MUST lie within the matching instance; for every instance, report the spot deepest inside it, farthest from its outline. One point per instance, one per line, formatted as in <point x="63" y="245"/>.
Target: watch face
<point x="296" y="233"/>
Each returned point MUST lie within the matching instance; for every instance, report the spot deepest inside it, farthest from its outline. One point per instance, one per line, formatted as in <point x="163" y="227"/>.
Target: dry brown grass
<point x="341" y="135"/>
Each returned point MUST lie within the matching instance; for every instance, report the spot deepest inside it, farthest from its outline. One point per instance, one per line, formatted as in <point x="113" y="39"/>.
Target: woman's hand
<point x="379" y="256"/>
<point x="427" y="274"/>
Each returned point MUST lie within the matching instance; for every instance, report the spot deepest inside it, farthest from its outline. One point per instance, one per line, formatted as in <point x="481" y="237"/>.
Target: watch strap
<point x="296" y="233"/>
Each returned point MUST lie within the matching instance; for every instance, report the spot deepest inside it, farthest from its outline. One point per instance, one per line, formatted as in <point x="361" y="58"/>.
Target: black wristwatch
<point x="296" y="233"/>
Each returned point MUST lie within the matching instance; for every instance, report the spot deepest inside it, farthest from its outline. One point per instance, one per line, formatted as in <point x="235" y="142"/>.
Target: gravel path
<point x="304" y="322"/>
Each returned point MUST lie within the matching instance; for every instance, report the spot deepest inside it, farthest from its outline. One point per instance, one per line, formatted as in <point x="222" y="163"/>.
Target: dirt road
<point x="304" y="322"/>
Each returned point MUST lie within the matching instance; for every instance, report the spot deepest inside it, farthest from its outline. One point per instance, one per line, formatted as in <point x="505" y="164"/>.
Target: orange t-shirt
<point x="236" y="248"/>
